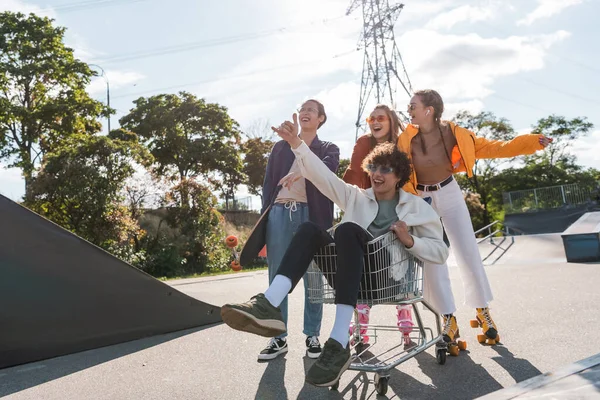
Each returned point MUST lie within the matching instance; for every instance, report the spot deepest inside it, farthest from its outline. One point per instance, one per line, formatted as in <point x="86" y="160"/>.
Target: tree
<point x="342" y="167"/>
<point x="487" y="125"/>
<point x="564" y="132"/>
<point x="79" y="187"/>
<point x="256" y="155"/>
<point x="200" y="243"/>
<point x="42" y="92"/>
<point x="188" y="137"/>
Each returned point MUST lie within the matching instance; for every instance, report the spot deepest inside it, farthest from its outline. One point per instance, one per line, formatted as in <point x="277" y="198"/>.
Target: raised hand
<point x="288" y="180"/>
<point x="545" y="141"/>
<point x="288" y="131"/>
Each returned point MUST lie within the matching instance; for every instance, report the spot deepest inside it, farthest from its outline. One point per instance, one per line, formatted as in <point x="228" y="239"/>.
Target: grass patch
<point x="214" y="273"/>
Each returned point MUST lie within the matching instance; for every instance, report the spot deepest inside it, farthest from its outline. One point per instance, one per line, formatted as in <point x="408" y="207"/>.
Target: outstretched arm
<point x="313" y="169"/>
<point x="519" y="146"/>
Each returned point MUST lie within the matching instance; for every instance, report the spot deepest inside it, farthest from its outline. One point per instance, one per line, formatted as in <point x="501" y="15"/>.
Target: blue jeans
<point x="282" y="225"/>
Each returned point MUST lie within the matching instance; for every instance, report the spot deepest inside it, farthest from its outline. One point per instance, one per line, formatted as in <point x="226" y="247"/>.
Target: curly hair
<point x="388" y="155"/>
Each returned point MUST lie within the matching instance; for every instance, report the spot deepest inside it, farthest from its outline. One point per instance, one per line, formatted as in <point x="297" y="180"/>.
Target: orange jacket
<point x="354" y="174"/>
<point x="470" y="148"/>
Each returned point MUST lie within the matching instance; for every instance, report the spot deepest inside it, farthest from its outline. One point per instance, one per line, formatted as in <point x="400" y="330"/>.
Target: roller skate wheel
<point x="462" y="345"/>
<point x="440" y="355"/>
<point x="365" y="339"/>
<point x="474" y="323"/>
<point x="482" y="338"/>
<point x="491" y="342"/>
<point x="453" y="350"/>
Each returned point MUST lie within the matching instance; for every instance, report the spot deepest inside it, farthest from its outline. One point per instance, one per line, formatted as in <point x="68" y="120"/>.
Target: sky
<point x="520" y="59"/>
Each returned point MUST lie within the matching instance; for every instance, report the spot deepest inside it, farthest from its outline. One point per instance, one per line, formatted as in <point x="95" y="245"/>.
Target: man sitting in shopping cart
<point x="367" y="214"/>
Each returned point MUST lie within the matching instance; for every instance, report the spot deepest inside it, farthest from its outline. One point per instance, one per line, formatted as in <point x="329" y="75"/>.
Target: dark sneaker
<point x="274" y="348"/>
<point x="255" y="316"/>
<point x="332" y="363"/>
<point x="313" y="347"/>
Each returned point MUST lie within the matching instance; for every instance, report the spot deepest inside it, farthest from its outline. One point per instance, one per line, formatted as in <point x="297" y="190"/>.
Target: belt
<point x="437" y="186"/>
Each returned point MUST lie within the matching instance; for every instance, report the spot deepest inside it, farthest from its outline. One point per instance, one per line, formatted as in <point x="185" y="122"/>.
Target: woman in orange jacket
<point x="438" y="149"/>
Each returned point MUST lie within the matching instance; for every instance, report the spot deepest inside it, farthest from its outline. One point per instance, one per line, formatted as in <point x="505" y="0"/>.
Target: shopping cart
<point x="391" y="276"/>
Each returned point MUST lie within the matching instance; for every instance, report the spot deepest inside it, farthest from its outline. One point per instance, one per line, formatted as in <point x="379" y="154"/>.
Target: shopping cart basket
<point x="391" y="276"/>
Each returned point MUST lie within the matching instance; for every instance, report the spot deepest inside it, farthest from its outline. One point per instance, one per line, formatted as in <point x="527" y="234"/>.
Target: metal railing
<point x="491" y="233"/>
<point x="546" y="197"/>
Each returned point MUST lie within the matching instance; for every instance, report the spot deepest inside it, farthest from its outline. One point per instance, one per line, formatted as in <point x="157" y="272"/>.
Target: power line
<point x="86" y="5"/>
<point x="183" y="85"/>
<point x="209" y="43"/>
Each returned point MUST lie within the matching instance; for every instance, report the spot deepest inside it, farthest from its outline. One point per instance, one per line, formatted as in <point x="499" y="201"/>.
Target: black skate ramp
<point x="59" y="294"/>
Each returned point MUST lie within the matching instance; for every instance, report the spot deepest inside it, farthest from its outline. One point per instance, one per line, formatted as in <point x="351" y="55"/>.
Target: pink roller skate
<point x="363" y="311"/>
<point x="405" y="323"/>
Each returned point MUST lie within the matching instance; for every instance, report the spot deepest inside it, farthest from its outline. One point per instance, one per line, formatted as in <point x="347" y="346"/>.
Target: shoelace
<point x="364" y="310"/>
<point x="273" y="344"/>
<point x="326" y="355"/>
<point x="313" y="341"/>
<point x="447" y="325"/>
<point x="292" y="206"/>
<point x="487" y="317"/>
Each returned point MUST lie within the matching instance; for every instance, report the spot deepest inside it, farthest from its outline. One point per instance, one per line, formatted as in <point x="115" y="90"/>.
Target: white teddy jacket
<point x="360" y="207"/>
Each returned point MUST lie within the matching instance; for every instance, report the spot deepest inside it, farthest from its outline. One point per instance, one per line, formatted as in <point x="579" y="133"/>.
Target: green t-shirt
<point x="386" y="216"/>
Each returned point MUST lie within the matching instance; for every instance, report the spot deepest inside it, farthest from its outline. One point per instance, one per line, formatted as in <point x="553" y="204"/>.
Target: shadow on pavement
<point x="272" y="383"/>
<point x="519" y="368"/>
<point x="459" y="378"/>
<point x="22" y="377"/>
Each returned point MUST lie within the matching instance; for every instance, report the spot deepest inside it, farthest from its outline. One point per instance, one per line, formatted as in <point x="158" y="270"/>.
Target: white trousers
<point x="451" y="207"/>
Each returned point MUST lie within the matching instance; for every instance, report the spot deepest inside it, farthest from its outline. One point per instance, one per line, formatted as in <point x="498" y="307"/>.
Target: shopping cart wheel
<point x="381" y="384"/>
<point x="335" y="386"/>
<point x="441" y="356"/>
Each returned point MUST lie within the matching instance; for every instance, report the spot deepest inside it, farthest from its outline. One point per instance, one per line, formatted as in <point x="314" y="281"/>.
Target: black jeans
<point x="350" y="240"/>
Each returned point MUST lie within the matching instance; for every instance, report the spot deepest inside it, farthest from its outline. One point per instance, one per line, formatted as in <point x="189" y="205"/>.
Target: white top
<point x="360" y="206"/>
<point x="295" y="193"/>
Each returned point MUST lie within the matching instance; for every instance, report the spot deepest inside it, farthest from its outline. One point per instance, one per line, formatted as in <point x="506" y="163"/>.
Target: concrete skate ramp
<point x="526" y="249"/>
<point x="59" y="294"/>
<point x="546" y="221"/>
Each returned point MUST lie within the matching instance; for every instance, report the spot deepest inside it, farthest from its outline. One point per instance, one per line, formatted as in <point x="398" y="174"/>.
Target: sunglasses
<point x="384" y="170"/>
<point x="379" y="118"/>
<point x="411" y="107"/>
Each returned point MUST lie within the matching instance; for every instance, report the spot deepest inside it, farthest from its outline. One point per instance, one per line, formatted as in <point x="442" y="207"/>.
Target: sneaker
<point x="313" y="347"/>
<point x="332" y="363"/>
<point x="450" y="332"/>
<point x="275" y="347"/>
<point x="256" y="316"/>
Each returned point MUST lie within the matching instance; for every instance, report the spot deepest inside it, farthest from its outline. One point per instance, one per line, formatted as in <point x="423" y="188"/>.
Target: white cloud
<point x="460" y="14"/>
<point x="116" y="80"/>
<point x="546" y="9"/>
<point x="464" y="67"/>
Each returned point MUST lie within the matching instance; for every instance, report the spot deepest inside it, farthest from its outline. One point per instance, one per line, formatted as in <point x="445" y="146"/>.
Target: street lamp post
<point x="107" y="90"/>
